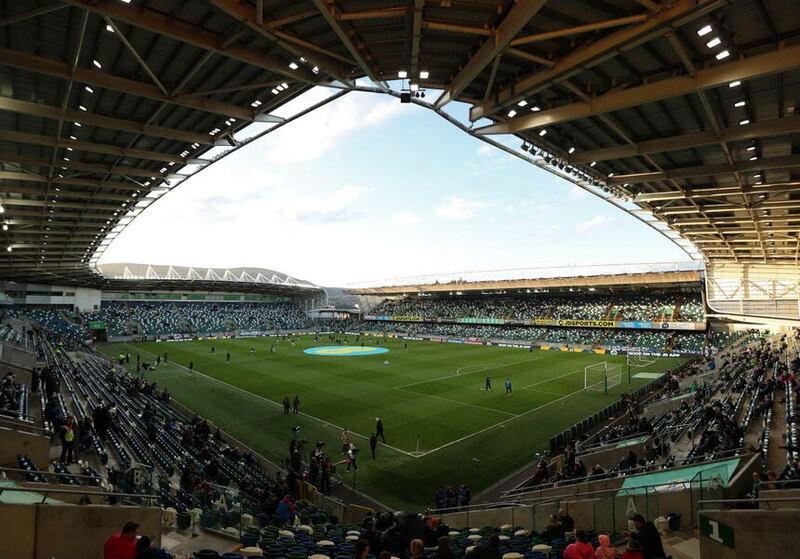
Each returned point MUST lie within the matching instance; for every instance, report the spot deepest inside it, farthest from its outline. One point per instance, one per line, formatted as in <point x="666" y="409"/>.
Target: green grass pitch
<point x="431" y="390"/>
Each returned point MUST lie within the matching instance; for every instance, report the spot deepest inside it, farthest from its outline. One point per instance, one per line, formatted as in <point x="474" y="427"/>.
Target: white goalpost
<point x="600" y="377"/>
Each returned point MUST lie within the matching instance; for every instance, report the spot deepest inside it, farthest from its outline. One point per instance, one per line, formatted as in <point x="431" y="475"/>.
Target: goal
<point x="600" y="377"/>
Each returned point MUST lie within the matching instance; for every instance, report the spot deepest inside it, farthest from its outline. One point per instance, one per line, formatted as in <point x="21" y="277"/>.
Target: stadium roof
<point x="682" y="112"/>
<point x="160" y="272"/>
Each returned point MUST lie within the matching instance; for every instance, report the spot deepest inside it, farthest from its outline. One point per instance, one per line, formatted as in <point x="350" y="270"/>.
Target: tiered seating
<point x="199" y="318"/>
<point x="656" y="340"/>
<point x="653" y="306"/>
<point x="50" y="317"/>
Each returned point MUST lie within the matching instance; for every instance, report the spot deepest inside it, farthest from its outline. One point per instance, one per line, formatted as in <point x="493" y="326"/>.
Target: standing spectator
<point x="566" y="521"/>
<point x="296" y="404"/>
<point x="553" y="530"/>
<point x="464" y="495"/>
<point x="122" y="545"/>
<point x="633" y="550"/>
<point x="444" y="551"/>
<point x="67" y="435"/>
<point x="648" y="537"/>
<point x="286" y="405"/>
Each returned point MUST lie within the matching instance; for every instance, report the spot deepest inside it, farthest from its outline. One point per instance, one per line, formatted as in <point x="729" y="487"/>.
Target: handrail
<point x="619" y="473"/>
<point x="748" y="502"/>
<point x="46" y="493"/>
<point x="12" y="423"/>
<point x="533" y="500"/>
<point x="45" y="473"/>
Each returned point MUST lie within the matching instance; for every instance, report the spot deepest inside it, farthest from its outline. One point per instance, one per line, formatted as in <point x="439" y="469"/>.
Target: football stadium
<point x="608" y="369"/>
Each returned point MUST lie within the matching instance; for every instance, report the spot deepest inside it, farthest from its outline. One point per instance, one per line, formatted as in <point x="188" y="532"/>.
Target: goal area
<point x="601" y="377"/>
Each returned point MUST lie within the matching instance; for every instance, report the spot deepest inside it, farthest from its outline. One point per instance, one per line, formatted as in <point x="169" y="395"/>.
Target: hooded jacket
<point x="579" y="550"/>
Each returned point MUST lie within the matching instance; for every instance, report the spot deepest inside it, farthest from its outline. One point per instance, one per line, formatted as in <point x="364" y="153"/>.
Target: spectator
<point x="554" y="530"/>
<point x="567" y="523"/>
<point x="67" y="435"/>
<point x="417" y="549"/>
<point x="122" y="545"/>
<point x="648" y="537"/>
<point x="444" y="551"/>
<point x="145" y="550"/>
<point x="633" y="550"/>
<point x="605" y="550"/>
<point x="362" y="549"/>
<point x="580" y="548"/>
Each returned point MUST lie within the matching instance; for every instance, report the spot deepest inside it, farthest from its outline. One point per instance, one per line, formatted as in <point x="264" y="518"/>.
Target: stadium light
<point x="512" y="113"/>
<point x="414" y="87"/>
<point x="402" y="74"/>
<point x="109" y="29"/>
<point x="522" y="103"/>
<point x="705" y="30"/>
<point x="713" y="42"/>
<point x="735" y="83"/>
<point x="423" y="75"/>
<point x="97" y="64"/>
<point x="88" y="89"/>
<point x="536" y="108"/>
<point x="722" y="55"/>
<point x="753" y="158"/>
<point x="740" y="103"/>
<point x="593" y="163"/>
<point x="8" y="248"/>
<point x="5" y="227"/>
<point x="543" y="132"/>
<point x="293" y="65"/>
<point x="572" y="150"/>
<point x="744" y="121"/>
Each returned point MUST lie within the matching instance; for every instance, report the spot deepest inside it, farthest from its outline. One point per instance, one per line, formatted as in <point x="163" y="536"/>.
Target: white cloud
<point x="404" y="219"/>
<point x="458" y="209"/>
<point x="577" y="193"/>
<point x="486" y="150"/>
<point x="596" y="222"/>
<point x="313" y="135"/>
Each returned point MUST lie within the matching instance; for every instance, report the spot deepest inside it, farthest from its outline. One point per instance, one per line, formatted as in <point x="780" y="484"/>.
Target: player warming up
<point x="488" y="384"/>
<point x="508" y="386"/>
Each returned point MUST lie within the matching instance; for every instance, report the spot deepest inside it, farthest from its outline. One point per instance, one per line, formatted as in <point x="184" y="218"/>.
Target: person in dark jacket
<point x="553" y="530"/>
<point x="567" y="523"/>
<point x="648" y="536"/>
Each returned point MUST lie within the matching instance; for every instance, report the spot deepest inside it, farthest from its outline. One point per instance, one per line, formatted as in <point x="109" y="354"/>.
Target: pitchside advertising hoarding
<point x="563" y="323"/>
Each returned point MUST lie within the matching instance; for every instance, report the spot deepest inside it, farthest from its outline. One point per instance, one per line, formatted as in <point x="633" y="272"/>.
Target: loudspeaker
<point x="405" y="97"/>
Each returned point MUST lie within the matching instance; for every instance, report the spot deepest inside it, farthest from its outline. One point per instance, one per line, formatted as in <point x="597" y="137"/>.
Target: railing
<point x="58" y="476"/>
<point x="608" y="508"/>
<point x="111" y="499"/>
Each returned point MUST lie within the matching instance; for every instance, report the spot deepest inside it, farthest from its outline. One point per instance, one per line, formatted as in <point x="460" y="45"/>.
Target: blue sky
<point x="366" y="189"/>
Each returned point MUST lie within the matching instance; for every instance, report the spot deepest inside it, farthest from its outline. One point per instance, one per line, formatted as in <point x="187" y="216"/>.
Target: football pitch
<point x="441" y="426"/>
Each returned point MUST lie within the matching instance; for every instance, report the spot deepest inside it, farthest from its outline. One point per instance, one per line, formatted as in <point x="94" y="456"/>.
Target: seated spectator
<point x="122" y="545"/>
<point x="605" y="550"/>
<point x="554" y="530"/>
<point x="580" y="548"/>
<point x="417" y="549"/>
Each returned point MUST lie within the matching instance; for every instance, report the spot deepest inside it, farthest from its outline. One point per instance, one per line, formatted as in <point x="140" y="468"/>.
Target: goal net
<point x="601" y="377"/>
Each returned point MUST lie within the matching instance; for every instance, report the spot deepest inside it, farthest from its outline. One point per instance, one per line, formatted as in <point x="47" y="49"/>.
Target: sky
<point x="366" y="190"/>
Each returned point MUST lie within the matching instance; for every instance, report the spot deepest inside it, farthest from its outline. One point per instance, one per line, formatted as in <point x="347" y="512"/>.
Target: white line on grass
<point x="451" y="375"/>
<point x="274" y="403"/>
<point x="455" y="402"/>
<point x="501" y="424"/>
